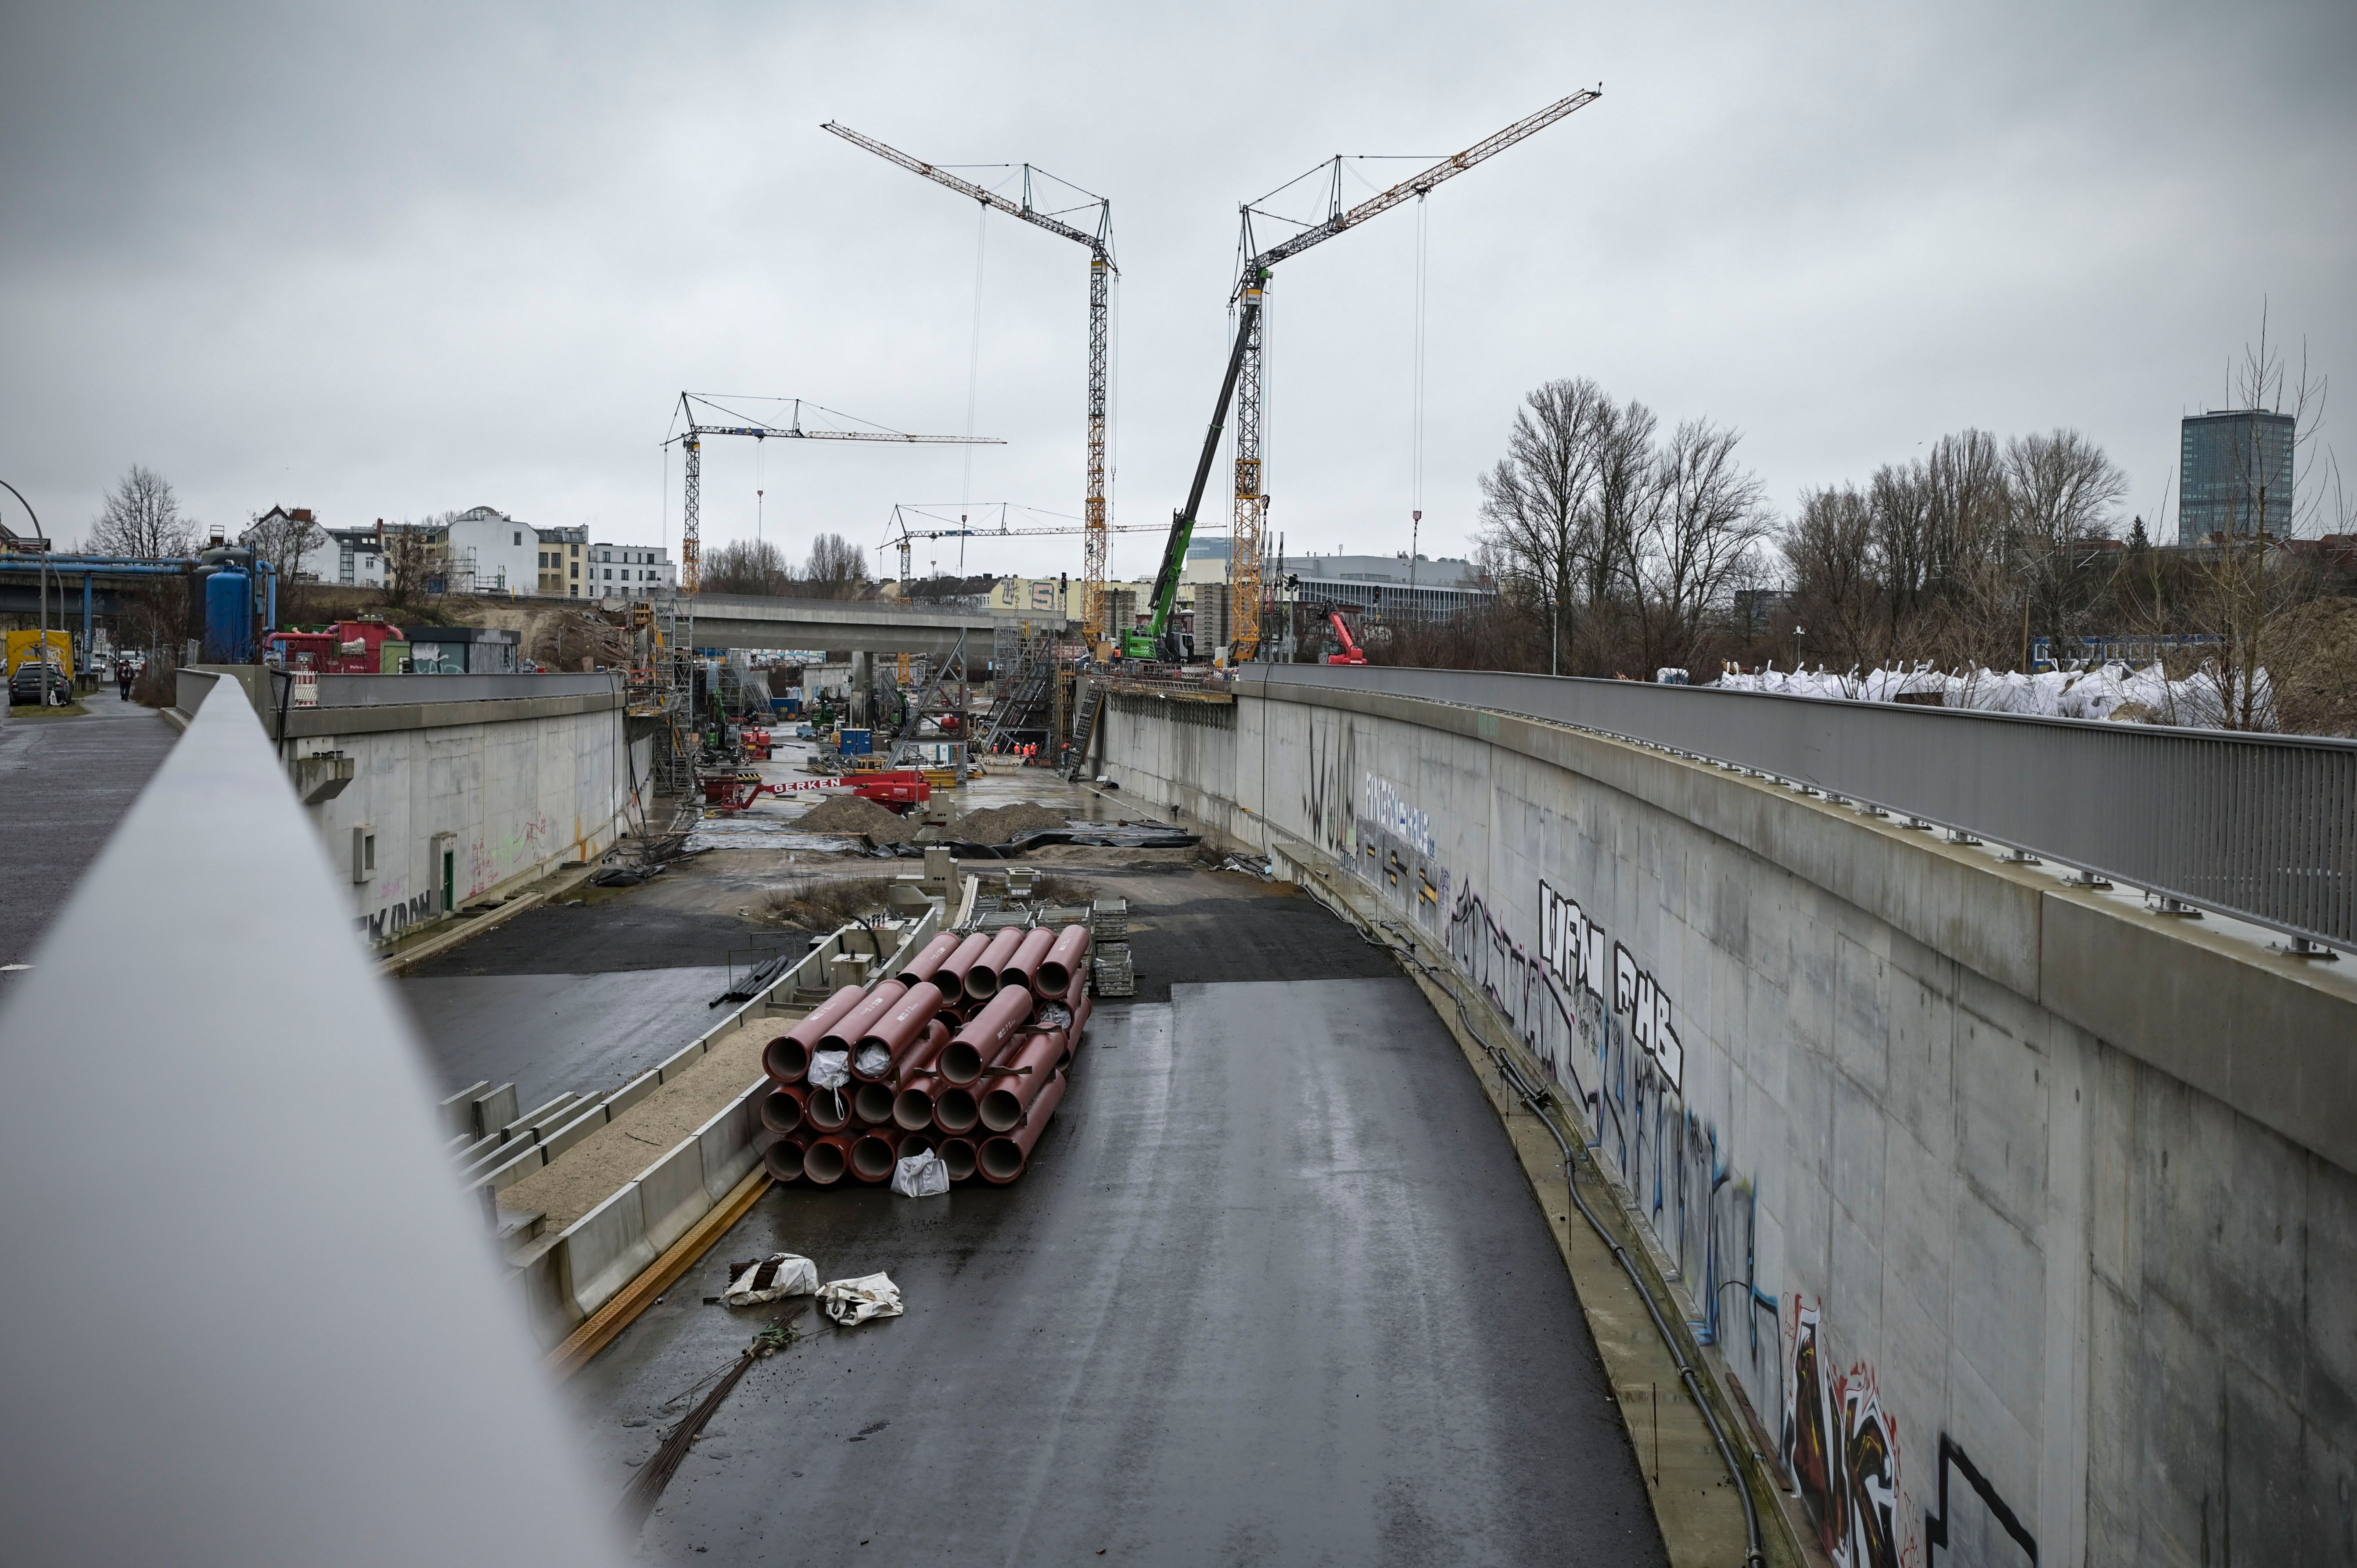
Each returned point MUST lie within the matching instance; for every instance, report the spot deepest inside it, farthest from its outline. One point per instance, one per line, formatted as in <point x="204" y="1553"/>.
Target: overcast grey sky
<point x="391" y="259"/>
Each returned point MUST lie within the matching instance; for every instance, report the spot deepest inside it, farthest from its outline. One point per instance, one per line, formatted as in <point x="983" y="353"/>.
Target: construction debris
<point x="851" y="1303"/>
<point x="769" y="1279"/>
<point x="855" y="817"/>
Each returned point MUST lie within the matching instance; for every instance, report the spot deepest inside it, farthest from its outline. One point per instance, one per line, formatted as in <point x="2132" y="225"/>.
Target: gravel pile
<point x="850" y="815"/>
<point x="997" y="825"/>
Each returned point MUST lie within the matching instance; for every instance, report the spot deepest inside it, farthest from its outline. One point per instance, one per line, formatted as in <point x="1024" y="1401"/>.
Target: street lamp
<point x="1797" y="633"/>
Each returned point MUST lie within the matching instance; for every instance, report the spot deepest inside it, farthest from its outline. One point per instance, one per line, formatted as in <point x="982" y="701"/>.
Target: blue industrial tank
<point x="228" y="617"/>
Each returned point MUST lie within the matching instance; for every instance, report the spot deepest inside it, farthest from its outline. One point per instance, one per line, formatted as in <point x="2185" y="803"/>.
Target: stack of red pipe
<point x="963" y="1052"/>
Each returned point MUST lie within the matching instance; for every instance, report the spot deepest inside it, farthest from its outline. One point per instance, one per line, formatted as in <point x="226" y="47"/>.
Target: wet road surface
<point x="67" y="782"/>
<point x="548" y="1033"/>
<point x="1274" y="1290"/>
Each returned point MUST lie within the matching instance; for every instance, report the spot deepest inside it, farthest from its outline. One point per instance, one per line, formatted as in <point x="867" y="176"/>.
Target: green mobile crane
<point x="1157" y="640"/>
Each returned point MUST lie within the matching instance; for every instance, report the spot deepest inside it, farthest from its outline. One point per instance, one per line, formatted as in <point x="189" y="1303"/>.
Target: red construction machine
<point x="1351" y="652"/>
<point x="897" y="791"/>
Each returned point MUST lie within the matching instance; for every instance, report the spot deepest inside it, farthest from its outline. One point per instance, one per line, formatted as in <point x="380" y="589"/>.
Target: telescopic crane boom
<point x="1243" y="378"/>
<point x="1096" y="514"/>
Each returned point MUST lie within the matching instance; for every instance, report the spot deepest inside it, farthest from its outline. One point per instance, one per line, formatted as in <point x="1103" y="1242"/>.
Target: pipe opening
<point x="829" y="1110"/>
<point x="785" y="1058"/>
<point x="1001" y="1111"/>
<point x="999" y="1159"/>
<point x="912" y="1109"/>
<point x="783" y="1159"/>
<point x="872" y="1159"/>
<point x="780" y="1111"/>
<point x="957" y="1153"/>
<point x="824" y="1163"/>
<point x="873" y="1103"/>
<point x="955" y="1111"/>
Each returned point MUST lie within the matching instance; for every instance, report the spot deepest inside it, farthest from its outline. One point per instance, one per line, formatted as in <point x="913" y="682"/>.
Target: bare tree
<point x="141" y="516"/>
<point x="1899" y="499"/>
<point x="838" y="568"/>
<point x="1538" y="504"/>
<point x="1695" y="536"/>
<point x="1831" y="553"/>
<point x="2065" y="492"/>
<point x="746" y="566"/>
<point x="283" y="538"/>
<point x="416" y="555"/>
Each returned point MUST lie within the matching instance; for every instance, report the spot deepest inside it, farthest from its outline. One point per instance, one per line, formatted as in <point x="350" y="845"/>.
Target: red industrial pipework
<point x="825" y="1160"/>
<point x="982" y="979"/>
<point x="787" y="1057"/>
<point x="897" y="1030"/>
<point x="978" y="1044"/>
<point x="954" y="969"/>
<point x="845" y="1031"/>
<point x="1001" y="1159"/>
<point x="956" y="1111"/>
<point x="1020" y="969"/>
<point x="928" y="964"/>
<point x="781" y="1106"/>
<point x="958" y="1155"/>
<point x="1012" y="1091"/>
<point x="784" y="1160"/>
<point x="827" y="1110"/>
<point x="912" y="1107"/>
<point x="872" y="1158"/>
<point x="871" y="1103"/>
<point x="1068" y="957"/>
<point x="913" y="1143"/>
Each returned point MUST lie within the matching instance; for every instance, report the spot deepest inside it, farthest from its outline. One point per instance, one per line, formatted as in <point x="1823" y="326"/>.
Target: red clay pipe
<point x="1029" y="953"/>
<point x="951" y="976"/>
<point x="827" y="1110"/>
<point x="872" y="1158"/>
<point x="1068" y="957"/>
<point x="913" y="1143"/>
<point x="912" y="1107"/>
<point x="1001" y="1159"/>
<point x="928" y="964"/>
<point x="1008" y="1091"/>
<point x="958" y="1155"/>
<point x="781" y="1106"/>
<point x="787" y="1057"/>
<point x="977" y="1044"/>
<point x="784" y="1160"/>
<point x="897" y="1030"/>
<point x="956" y="1111"/>
<point x="845" y="1031"/>
<point x="871" y="1104"/>
<point x="825" y="1160"/>
<point x="982" y="980"/>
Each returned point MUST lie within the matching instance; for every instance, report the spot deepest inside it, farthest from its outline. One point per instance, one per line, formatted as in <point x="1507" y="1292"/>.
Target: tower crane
<point x="902" y="536"/>
<point x="1243" y="376"/>
<point x="694" y="428"/>
<point x="1097" y="517"/>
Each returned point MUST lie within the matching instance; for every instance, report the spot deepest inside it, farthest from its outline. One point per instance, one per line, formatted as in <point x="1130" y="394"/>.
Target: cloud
<point x="394" y="260"/>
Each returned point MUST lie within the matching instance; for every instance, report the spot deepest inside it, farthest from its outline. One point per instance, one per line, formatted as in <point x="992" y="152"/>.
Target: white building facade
<point x="630" y="572"/>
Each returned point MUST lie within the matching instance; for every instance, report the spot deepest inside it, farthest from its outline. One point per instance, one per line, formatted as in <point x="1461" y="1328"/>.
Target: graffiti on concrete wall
<point x="1841" y="1450"/>
<point x="395" y="917"/>
<point x="1572" y="946"/>
<point x="1388" y="809"/>
<point x="1328" y="791"/>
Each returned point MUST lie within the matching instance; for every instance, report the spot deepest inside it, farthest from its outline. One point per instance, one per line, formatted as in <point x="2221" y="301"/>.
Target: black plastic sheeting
<point x="1096" y="838"/>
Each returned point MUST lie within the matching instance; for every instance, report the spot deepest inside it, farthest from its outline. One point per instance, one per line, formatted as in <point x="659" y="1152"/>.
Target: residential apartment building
<point x="630" y="572"/>
<point x="563" y="557"/>
<point x="348" y="557"/>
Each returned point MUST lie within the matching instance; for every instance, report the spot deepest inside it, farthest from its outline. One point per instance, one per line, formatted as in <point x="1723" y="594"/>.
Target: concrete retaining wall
<point x="1960" y="1171"/>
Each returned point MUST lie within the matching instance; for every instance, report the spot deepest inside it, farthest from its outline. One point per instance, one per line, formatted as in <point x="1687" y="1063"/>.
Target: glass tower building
<point x="2235" y="474"/>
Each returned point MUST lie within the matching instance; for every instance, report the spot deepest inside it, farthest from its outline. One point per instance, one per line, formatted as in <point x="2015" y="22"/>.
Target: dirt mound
<point x="850" y="815"/>
<point x="997" y="825"/>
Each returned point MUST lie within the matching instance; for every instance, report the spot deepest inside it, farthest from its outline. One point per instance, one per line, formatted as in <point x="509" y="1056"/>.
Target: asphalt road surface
<point x="66" y="783"/>
<point x="548" y="1033"/>
<point x="1274" y="1291"/>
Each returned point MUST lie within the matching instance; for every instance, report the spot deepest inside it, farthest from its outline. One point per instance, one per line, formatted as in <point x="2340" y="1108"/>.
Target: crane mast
<point x="1251" y="298"/>
<point x="1096" y="510"/>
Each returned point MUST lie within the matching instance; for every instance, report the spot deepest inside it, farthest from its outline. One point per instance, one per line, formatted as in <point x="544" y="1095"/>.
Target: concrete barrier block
<point x="468" y="1153"/>
<point x="494" y="1109"/>
<point x="533" y="1278"/>
<point x="498" y="1175"/>
<point x="573" y="1131"/>
<point x="602" y="1252"/>
<point x="630" y="1093"/>
<point x="728" y="1144"/>
<point x="458" y="1111"/>
<point x="679" y="1062"/>
<point x="671" y="1195"/>
<point x="549" y="1115"/>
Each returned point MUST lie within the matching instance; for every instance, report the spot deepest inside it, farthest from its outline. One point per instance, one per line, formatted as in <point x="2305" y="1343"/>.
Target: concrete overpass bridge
<point x="857" y="626"/>
<point x="1986" y="1086"/>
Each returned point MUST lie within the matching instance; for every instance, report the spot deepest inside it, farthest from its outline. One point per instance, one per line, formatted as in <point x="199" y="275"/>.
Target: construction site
<point x="1105" y="1072"/>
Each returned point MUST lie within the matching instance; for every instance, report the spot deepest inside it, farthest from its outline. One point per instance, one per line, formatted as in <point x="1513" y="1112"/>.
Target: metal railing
<point x="206" y="965"/>
<point x="2261" y="827"/>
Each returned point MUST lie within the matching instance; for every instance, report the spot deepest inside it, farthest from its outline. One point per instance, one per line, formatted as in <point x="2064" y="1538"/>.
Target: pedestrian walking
<point x="124" y="675"/>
